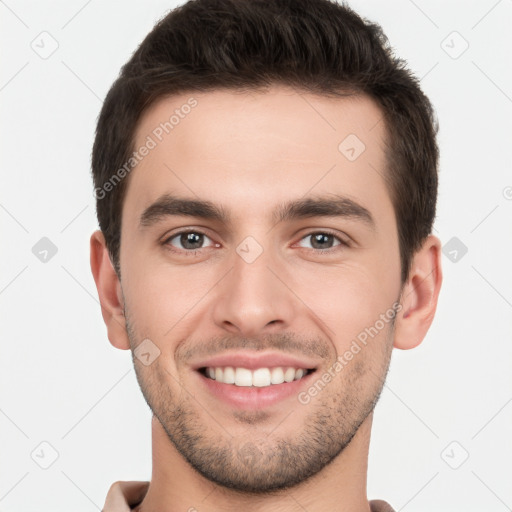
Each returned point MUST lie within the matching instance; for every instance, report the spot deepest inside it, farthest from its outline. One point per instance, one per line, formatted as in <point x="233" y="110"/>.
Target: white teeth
<point x="289" y="374"/>
<point x="243" y="377"/>
<point x="277" y="376"/>
<point x="299" y="374"/>
<point x="229" y="375"/>
<point x="261" y="377"/>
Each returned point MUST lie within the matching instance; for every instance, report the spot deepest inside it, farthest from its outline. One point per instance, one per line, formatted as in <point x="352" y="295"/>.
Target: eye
<point x="323" y="241"/>
<point x="189" y="241"/>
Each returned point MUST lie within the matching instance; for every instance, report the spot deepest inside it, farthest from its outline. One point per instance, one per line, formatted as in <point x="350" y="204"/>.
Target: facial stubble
<point x="263" y="460"/>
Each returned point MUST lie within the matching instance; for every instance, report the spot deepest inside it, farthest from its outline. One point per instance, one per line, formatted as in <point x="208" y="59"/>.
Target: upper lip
<point x="254" y="360"/>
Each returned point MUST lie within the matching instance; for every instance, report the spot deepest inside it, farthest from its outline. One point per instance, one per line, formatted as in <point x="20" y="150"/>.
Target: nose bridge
<point x="252" y="297"/>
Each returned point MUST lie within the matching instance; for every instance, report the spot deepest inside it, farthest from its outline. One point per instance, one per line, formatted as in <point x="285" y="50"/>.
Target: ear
<point x="419" y="295"/>
<point x="109" y="291"/>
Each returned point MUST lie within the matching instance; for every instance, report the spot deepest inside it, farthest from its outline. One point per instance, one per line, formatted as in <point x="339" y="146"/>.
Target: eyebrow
<point x="323" y="206"/>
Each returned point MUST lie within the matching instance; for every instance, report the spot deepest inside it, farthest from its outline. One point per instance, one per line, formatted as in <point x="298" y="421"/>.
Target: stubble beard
<point x="256" y="463"/>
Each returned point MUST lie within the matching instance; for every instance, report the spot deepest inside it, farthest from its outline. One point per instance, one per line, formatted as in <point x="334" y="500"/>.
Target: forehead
<point x="247" y="149"/>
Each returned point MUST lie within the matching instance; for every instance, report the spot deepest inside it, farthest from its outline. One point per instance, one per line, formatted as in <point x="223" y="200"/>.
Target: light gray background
<point x="63" y="383"/>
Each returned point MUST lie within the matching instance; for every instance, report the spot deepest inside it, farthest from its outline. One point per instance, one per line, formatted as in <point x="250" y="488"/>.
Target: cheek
<point x="165" y="301"/>
<point x="346" y="300"/>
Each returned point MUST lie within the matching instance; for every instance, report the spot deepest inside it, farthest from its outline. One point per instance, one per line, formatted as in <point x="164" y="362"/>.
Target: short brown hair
<point x="316" y="46"/>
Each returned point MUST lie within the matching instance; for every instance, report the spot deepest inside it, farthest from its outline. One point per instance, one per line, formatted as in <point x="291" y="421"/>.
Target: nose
<point x="254" y="298"/>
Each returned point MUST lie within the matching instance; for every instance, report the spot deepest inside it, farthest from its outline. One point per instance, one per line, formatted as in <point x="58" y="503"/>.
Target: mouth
<point x="258" y="378"/>
<point x="254" y="380"/>
<point x="253" y="389"/>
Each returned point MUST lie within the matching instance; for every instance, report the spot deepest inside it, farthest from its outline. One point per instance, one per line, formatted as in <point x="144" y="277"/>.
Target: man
<point x="266" y="182"/>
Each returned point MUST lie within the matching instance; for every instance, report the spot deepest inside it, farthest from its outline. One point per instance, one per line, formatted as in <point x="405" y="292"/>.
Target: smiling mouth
<point x="261" y="377"/>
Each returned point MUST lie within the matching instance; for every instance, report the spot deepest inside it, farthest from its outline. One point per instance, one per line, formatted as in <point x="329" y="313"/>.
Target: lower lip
<point x="250" y="397"/>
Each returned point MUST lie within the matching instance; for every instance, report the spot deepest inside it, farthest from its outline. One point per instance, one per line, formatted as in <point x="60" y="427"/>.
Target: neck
<point x="340" y="486"/>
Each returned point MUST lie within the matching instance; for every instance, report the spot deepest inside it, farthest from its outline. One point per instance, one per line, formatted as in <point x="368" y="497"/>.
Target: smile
<point x="260" y="377"/>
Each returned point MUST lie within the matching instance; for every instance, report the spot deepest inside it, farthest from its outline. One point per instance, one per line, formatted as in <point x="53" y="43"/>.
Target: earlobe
<point x="419" y="295"/>
<point x="109" y="292"/>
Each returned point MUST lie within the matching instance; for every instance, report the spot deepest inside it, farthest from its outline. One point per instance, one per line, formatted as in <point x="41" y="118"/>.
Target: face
<point x="258" y="234"/>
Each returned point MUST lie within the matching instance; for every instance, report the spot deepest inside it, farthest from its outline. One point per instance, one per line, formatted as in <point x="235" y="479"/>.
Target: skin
<point x="250" y="152"/>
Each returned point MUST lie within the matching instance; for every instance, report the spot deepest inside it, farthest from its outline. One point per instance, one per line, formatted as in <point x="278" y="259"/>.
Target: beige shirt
<point x="123" y="496"/>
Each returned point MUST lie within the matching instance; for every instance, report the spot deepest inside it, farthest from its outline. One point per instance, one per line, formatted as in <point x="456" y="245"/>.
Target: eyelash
<point x="194" y="252"/>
